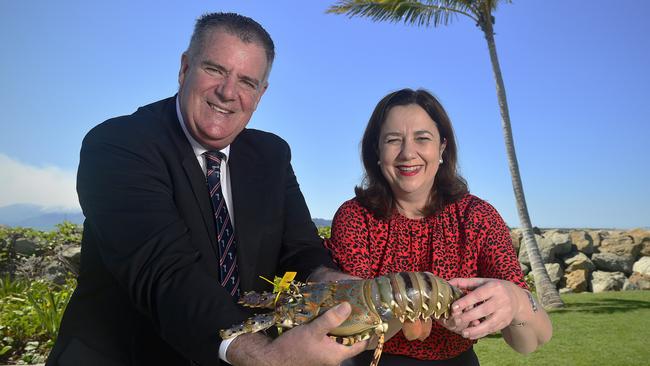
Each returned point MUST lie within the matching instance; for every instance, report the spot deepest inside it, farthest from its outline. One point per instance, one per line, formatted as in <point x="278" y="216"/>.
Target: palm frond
<point x="420" y="13"/>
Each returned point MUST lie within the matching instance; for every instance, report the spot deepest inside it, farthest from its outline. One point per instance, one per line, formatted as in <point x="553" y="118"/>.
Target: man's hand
<point x="305" y="345"/>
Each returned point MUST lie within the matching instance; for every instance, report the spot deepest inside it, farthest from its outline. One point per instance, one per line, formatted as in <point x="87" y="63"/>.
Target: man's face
<point x="220" y="87"/>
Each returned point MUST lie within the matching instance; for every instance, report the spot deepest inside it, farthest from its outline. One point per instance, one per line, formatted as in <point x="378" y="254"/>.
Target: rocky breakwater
<point x="591" y="260"/>
<point x="34" y="255"/>
<point x="577" y="260"/>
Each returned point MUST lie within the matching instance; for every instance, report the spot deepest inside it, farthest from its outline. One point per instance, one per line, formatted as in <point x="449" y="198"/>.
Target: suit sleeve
<point x="126" y="192"/>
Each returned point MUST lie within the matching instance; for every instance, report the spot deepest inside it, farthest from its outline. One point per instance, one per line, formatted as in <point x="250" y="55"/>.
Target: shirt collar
<point x="198" y="148"/>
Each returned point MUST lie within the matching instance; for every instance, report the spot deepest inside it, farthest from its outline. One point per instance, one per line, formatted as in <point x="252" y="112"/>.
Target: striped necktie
<point x="225" y="232"/>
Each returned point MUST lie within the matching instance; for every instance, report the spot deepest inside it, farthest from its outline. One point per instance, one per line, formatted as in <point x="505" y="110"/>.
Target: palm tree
<point x="442" y="12"/>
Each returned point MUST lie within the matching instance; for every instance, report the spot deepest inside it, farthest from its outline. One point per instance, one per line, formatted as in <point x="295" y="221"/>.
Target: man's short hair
<point x="248" y="30"/>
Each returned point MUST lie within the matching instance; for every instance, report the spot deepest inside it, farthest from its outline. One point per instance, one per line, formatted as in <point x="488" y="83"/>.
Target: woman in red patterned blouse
<point x="414" y="213"/>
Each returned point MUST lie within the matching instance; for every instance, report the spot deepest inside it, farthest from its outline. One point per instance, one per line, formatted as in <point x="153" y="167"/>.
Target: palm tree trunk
<point x="550" y="297"/>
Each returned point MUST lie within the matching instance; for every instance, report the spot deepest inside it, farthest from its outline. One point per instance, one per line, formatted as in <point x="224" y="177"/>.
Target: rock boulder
<point x="26" y="247"/>
<point x="622" y="245"/>
<point x="642" y="266"/>
<point x="607" y="281"/>
<point x="578" y="260"/>
<point x="612" y="262"/>
<point x="637" y="281"/>
<point x="577" y="281"/>
<point x="583" y="242"/>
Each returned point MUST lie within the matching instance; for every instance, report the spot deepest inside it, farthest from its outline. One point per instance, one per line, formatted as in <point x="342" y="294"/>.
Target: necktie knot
<point x="213" y="159"/>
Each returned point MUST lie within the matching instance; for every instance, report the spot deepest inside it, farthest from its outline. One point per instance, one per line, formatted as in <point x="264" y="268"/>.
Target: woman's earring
<point x="440" y="161"/>
<point x="378" y="162"/>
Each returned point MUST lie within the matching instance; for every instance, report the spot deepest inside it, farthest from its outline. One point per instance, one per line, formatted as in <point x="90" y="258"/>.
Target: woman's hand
<point x="490" y="306"/>
<point x="456" y="324"/>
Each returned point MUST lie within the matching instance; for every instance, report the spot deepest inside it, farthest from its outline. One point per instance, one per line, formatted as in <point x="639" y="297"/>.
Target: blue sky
<point x="576" y="72"/>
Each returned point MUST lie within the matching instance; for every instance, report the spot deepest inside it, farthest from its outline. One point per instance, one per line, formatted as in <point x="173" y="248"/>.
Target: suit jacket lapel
<point x="247" y="176"/>
<point x="193" y="171"/>
<point x="197" y="180"/>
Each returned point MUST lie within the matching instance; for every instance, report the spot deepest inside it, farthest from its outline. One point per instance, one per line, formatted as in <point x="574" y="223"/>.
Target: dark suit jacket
<point x="148" y="290"/>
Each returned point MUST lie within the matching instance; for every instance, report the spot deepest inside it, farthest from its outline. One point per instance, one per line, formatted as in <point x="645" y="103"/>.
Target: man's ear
<point x="185" y="65"/>
<point x="262" y="91"/>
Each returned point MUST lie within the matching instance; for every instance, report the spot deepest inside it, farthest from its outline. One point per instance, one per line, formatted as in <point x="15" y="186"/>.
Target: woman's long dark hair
<point x="375" y="193"/>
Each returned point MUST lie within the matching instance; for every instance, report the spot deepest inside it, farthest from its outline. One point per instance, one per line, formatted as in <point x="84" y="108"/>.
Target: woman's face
<point x="409" y="152"/>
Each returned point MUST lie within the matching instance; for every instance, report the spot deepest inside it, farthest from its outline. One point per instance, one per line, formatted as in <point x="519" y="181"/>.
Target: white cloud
<point x="50" y="187"/>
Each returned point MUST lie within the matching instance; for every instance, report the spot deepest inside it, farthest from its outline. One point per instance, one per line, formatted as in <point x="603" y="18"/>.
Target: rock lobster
<point x="375" y="303"/>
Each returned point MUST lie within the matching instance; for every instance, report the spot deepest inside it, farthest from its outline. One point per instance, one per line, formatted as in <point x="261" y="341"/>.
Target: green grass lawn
<point x="611" y="328"/>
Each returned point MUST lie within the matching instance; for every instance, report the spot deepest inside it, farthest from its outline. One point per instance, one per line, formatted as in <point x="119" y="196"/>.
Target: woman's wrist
<point x="528" y="305"/>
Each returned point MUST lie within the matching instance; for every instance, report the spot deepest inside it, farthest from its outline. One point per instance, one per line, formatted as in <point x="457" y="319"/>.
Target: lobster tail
<point x="410" y="295"/>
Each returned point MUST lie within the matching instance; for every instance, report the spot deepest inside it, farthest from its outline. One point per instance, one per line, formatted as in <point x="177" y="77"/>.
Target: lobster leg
<point x="378" y="350"/>
<point x="350" y="340"/>
<point x="252" y="325"/>
<point x="254" y="299"/>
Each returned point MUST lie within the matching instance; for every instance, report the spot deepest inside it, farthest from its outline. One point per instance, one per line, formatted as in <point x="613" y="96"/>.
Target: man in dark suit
<point x="150" y="285"/>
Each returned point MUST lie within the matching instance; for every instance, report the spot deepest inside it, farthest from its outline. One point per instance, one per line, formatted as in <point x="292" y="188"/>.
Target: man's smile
<point x="214" y="107"/>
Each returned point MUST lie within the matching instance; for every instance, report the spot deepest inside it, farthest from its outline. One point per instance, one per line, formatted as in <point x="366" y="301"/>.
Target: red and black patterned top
<point x="467" y="239"/>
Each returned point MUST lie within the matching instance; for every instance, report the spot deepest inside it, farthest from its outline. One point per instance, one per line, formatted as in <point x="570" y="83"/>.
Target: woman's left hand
<point x="489" y="307"/>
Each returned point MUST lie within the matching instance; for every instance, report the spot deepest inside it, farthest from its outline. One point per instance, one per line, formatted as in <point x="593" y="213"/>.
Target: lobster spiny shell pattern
<point x="374" y="302"/>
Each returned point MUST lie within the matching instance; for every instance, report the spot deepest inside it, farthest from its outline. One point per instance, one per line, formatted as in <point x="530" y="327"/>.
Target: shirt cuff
<point x="223" y="347"/>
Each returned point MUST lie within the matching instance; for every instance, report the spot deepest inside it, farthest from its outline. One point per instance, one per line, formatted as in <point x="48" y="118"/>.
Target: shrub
<point x="31" y="307"/>
<point x="325" y="232"/>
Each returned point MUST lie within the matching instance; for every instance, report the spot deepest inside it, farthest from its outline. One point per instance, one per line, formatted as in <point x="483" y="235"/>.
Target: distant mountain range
<point x="322" y="222"/>
<point x="36" y="217"/>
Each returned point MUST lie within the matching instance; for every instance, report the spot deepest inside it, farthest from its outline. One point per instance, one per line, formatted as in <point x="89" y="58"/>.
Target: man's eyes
<point x="214" y="70"/>
<point x="249" y="84"/>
